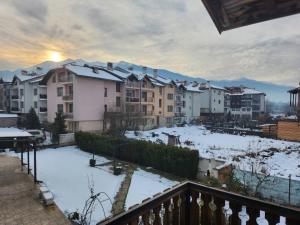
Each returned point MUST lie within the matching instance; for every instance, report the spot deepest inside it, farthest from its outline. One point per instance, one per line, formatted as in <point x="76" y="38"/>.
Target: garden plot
<point x="279" y="158"/>
<point x="67" y="174"/>
<point x="144" y="185"/>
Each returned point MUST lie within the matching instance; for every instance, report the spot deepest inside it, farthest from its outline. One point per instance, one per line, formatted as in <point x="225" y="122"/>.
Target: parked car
<point x="37" y="135"/>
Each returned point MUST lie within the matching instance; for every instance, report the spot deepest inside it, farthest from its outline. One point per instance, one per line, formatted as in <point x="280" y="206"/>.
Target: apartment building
<point x="147" y="100"/>
<point x="187" y="102"/>
<point x="244" y="103"/>
<point x="6" y="79"/>
<point x="212" y="100"/>
<point x="26" y="93"/>
<point x="83" y="94"/>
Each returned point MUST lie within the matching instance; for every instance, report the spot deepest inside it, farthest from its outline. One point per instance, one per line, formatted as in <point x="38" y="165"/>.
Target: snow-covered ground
<point x="144" y="185"/>
<point x="67" y="174"/>
<point x="234" y="148"/>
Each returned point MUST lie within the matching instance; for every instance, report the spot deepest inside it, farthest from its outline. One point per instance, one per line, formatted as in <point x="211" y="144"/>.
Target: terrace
<point x="192" y="203"/>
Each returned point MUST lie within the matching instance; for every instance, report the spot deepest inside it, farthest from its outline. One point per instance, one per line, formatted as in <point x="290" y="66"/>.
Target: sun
<point x="55" y="56"/>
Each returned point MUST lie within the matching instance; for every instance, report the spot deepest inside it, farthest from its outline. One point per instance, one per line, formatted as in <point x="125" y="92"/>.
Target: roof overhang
<point x="294" y="91"/>
<point x="231" y="14"/>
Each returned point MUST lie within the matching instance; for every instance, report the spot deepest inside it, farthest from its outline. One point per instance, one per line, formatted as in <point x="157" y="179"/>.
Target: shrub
<point x="179" y="161"/>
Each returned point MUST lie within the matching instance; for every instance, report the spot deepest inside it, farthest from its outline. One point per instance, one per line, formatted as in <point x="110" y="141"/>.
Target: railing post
<point x="187" y="206"/>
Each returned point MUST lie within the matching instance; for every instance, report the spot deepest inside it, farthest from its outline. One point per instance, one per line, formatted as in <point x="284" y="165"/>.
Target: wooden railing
<point x="193" y="204"/>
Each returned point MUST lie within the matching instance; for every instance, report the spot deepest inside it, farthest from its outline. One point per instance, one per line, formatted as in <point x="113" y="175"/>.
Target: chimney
<point x="110" y="66"/>
<point x="155" y="73"/>
<point x="95" y="70"/>
<point x="24" y="72"/>
<point x="145" y="69"/>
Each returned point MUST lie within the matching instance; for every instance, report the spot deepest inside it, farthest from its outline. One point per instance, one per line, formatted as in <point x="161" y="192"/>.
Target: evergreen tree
<point x="58" y="127"/>
<point x="32" y="121"/>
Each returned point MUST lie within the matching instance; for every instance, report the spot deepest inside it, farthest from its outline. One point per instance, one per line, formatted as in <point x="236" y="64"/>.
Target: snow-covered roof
<point x="12" y="132"/>
<point x="89" y="72"/>
<point x="192" y="88"/>
<point x="6" y="115"/>
<point x="247" y="91"/>
<point x="6" y="76"/>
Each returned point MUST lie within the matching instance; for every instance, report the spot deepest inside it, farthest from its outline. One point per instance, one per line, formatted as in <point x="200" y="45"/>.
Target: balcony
<point x="179" y="114"/>
<point x="43" y="97"/>
<point x="149" y="99"/>
<point x="43" y="109"/>
<point x="14" y="97"/>
<point x="68" y="97"/>
<point x="15" y="109"/>
<point x="132" y="85"/>
<point x="193" y="204"/>
<point x="68" y="115"/>
<point x="132" y="99"/>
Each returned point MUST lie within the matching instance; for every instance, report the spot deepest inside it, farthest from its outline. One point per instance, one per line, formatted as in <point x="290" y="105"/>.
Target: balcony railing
<point x="132" y="85"/>
<point x="15" y="109"/>
<point x="14" y="97"/>
<point x="149" y="99"/>
<point x="132" y="99"/>
<point x="43" y="109"/>
<point x="193" y="204"/>
<point x="68" y="115"/>
<point x="179" y="114"/>
<point x="43" y="96"/>
<point x="67" y="97"/>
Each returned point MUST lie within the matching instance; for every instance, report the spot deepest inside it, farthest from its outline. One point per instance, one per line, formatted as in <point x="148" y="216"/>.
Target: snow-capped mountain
<point x="275" y="92"/>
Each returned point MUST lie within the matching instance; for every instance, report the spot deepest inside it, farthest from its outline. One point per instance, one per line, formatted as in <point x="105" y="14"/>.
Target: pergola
<point x="19" y="139"/>
<point x="231" y="14"/>
<point x="294" y="95"/>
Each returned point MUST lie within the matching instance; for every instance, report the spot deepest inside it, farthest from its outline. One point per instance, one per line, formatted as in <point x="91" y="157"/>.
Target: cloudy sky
<point x="174" y="34"/>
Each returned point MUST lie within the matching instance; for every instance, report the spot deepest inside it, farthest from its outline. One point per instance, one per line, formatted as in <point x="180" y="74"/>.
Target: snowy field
<point x="67" y="174"/>
<point x="144" y="185"/>
<point x="242" y="151"/>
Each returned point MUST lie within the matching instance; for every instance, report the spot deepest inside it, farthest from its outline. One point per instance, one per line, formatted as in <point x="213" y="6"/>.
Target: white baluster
<point x="243" y="215"/>
<point x="200" y="203"/>
<point x="140" y="221"/>
<point x="261" y="220"/>
<point x="282" y="221"/>
<point x="162" y="214"/>
<point x="151" y="217"/>
<point x="227" y="212"/>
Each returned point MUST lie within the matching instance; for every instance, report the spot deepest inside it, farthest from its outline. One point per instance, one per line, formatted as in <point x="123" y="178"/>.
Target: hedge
<point x="179" y="161"/>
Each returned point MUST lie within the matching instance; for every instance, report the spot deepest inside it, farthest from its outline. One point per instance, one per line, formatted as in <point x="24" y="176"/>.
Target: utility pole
<point x="290" y="189"/>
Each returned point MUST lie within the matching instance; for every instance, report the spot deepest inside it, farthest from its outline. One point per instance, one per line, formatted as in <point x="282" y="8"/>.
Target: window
<point x="22" y="105"/>
<point x="105" y="108"/>
<point x="170" y="108"/>
<point x="170" y="96"/>
<point x="54" y="78"/>
<point x="60" y="91"/>
<point x="60" y="108"/>
<point x="160" y="103"/>
<point x="160" y="90"/>
<point x="183" y="104"/>
<point x="169" y="120"/>
<point x="70" y="108"/>
<point x="21" y="92"/>
<point x="35" y="104"/>
<point x="118" y="101"/>
<point x="118" y="87"/>
<point x="35" y="92"/>
<point x="219" y="102"/>
<point x="105" y="92"/>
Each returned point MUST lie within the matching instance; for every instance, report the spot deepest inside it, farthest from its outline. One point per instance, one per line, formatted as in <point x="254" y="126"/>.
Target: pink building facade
<point x="83" y="95"/>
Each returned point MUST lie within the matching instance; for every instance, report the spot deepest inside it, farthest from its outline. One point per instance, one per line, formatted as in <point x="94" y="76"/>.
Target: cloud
<point x="35" y="9"/>
<point x="173" y="34"/>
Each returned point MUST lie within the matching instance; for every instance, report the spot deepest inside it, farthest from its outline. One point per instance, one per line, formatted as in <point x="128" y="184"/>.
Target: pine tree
<point x="58" y="127"/>
<point x="32" y="121"/>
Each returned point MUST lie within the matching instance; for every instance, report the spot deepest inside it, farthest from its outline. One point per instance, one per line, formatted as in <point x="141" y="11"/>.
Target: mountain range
<point x="274" y="92"/>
